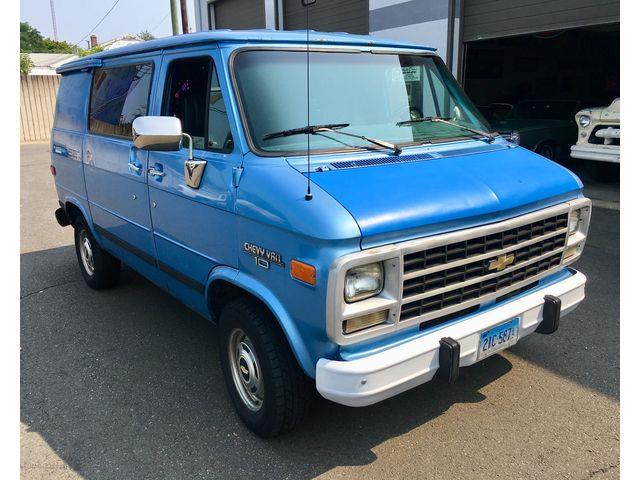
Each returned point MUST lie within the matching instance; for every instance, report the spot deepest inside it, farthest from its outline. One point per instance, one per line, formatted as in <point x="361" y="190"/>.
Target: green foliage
<point x="83" y="53"/>
<point x="51" y="46"/>
<point x="30" y="38"/>
<point x="25" y="64"/>
<point x="146" y="35"/>
<point x="32" y="41"/>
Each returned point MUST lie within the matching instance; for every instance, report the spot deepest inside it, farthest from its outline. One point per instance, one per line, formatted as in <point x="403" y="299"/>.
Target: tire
<point x="99" y="268"/>
<point x="547" y="150"/>
<point x="270" y="392"/>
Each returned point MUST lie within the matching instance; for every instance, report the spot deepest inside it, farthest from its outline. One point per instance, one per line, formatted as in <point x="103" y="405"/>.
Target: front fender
<point x="261" y="291"/>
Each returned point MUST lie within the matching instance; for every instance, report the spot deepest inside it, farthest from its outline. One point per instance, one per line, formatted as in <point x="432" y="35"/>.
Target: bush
<point x="25" y="64"/>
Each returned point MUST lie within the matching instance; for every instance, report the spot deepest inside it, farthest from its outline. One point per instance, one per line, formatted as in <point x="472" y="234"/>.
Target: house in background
<point x="118" y="42"/>
<point x="46" y="63"/>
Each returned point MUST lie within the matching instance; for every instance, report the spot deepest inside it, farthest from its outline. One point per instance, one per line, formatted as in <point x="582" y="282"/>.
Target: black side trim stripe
<point x="182" y="278"/>
<point x="126" y="245"/>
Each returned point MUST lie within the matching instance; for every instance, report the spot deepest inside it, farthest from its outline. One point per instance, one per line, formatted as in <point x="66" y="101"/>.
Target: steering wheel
<point x="414" y="112"/>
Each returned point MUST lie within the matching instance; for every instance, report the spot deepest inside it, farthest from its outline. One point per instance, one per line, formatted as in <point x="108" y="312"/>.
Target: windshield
<point x="369" y="92"/>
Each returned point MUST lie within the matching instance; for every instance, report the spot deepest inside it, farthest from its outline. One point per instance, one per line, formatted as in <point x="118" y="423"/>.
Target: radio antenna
<point x="309" y="195"/>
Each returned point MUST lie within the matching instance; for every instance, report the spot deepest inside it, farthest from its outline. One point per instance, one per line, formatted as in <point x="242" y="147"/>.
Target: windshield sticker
<point x="405" y="74"/>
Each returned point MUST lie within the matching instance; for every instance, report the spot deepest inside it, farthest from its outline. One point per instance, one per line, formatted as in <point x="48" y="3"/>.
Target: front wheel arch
<point x="226" y="284"/>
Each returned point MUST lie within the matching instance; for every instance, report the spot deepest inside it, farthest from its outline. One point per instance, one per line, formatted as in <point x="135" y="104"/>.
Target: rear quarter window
<point x="71" y="101"/>
<point x="119" y="95"/>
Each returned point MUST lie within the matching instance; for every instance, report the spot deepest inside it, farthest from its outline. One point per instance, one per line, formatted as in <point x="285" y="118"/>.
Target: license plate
<point x="498" y="338"/>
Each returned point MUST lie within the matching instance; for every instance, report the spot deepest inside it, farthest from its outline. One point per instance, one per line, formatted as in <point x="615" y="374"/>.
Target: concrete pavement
<point x="125" y="384"/>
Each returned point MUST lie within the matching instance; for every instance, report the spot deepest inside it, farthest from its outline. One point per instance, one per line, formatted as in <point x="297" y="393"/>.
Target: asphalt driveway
<point x="125" y="384"/>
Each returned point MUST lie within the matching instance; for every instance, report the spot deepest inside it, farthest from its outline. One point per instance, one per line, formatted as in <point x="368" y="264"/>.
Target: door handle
<point x="133" y="168"/>
<point x="156" y="173"/>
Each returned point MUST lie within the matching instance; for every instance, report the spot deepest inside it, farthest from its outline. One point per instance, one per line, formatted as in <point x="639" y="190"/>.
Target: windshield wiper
<point x="489" y="136"/>
<point x="335" y="128"/>
<point x="310" y="129"/>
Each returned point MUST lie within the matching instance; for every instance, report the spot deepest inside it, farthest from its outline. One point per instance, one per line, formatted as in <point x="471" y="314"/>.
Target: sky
<point x="76" y="18"/>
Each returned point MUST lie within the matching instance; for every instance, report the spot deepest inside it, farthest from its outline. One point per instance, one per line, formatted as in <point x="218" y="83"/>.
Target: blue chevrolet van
<point x="374" y="238"/>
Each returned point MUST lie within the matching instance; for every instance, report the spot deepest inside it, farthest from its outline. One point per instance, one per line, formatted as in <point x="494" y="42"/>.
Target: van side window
<point x="118" y="96"/>
<point x="193" y="95"/>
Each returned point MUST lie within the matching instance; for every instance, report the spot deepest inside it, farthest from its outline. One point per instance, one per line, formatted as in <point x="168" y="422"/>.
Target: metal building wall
<point x="239" y="14"/>
<point x="328" y="15"/>
<point x="418" y="21"/>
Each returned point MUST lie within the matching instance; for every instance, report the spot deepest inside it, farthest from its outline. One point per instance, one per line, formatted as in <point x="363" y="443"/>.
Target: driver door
<point x="194" y="228"/>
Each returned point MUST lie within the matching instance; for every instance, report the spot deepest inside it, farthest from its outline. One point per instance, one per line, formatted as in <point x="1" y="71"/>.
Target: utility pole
<point x="185" y="19"/>
<point x="53" y="19"/>
<point x="174" y="17"/>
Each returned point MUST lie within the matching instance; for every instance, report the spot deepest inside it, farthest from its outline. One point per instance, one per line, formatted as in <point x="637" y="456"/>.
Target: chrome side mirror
<point x="193" y="169"/>
<point x="165" y="134"/>
<point x="157" y="133"/>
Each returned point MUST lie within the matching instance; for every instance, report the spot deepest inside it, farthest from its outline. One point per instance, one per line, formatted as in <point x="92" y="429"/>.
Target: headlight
<point x="576" y="217"/>
<point x="574" y="221"/>
<point x="515" y="138"/>
<point x="584" y="120"/>
<point x="577" y="232"/>
<point x="363" y="282"/>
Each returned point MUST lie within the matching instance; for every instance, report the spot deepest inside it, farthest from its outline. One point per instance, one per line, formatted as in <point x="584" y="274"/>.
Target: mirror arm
<point x="190" y="141"/>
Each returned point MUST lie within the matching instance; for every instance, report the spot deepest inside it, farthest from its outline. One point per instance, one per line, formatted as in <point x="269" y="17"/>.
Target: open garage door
<point x="350" y="16"/>
<point x="531" y="86"/>
<point x="580" y="64"/>
<point x="483" y="19"/>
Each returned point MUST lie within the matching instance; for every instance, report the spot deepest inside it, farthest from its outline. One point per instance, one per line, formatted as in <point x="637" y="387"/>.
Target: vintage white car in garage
<point x="598" y="134"/>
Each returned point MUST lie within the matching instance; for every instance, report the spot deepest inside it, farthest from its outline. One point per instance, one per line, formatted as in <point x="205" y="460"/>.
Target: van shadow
<point x="586" y="347"/>
<point x="125" y="383"/>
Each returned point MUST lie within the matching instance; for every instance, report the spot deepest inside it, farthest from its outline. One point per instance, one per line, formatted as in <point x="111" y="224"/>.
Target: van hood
<point x="436" y="194"/>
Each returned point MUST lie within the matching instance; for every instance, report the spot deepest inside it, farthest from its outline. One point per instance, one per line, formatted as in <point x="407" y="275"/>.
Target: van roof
<point x="240" y="36"/>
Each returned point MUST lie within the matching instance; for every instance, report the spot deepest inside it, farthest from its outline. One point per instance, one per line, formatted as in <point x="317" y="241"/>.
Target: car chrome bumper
<point x="599" y="153"/>
<point x="373" y="378"/>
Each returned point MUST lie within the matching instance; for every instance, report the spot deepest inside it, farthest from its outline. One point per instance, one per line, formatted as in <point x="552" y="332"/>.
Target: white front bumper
<point x="601" y="153"/>
<point x="373" y="378"/>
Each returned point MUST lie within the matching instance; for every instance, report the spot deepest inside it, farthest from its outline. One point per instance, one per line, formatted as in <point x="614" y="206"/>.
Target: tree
<point x="25" y="64"/>
<point x="53" y="46"/>
<point x="30" y="38"/>
<point x="83" y="53"/>
<point x="32" y="41"/>
<point x="146" y="35"/>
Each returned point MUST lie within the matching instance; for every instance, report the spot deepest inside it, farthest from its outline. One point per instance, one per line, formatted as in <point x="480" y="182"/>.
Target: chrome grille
<point x="485" y="244"/>
<point x="451" y="277"/>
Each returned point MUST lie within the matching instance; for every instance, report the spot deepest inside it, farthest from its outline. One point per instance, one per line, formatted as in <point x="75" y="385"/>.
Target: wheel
<point x="547" y="150"/>
<point x="269" y="390"/>
<point x="99" y="268"/>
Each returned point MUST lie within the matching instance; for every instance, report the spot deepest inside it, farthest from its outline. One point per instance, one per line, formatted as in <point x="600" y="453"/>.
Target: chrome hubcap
<point x="86" y="253"/>
<point x="245" y="369"/>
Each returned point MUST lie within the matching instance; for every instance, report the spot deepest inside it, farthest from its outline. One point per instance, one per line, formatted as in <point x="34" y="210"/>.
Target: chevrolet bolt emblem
<point x="502" y="262"/>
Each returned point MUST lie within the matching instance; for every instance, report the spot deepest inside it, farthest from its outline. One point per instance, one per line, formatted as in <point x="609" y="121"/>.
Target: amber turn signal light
<point x="304" y="272"/>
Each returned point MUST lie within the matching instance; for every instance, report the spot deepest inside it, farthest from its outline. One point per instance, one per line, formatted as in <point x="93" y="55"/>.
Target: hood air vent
<point x="372" y="162"/>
